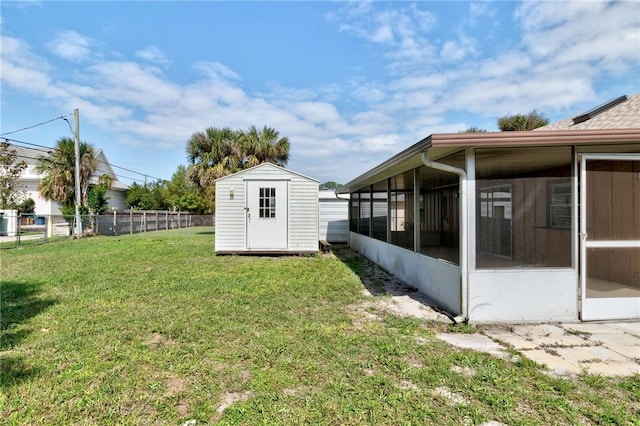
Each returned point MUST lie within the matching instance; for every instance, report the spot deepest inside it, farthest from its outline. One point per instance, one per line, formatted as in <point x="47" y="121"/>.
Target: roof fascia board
<point x="388" y="164"/>
<point x="547" y="137"/>
<point x="262" y="165"/>
<point x="494" y="139"/>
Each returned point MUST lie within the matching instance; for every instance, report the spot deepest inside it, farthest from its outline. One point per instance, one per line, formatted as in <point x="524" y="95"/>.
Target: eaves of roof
<point x="439" y="145"/>
<point x="261" y="166"/>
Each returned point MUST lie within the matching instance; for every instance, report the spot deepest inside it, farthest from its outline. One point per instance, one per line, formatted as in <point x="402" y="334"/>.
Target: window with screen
<point x="560" y="205"/>
<point x="267" y="202"/>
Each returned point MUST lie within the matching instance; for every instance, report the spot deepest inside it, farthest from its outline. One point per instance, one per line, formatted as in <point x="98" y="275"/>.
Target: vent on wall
<point x="597" y="110"/>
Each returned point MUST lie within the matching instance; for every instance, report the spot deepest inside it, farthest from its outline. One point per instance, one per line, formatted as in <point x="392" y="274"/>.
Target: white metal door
<point x="610" y="236"/>
<point x="267" y="215"/>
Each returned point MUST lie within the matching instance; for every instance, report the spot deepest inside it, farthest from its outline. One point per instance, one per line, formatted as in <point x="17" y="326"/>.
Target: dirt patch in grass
<point x="158" y="340"/>
<point x="451" y="397"/>
<point x="230" y="398"/>
<point x="175" y="385"/>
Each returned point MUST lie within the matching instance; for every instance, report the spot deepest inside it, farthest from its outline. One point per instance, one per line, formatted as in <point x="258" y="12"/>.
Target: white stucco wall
<point x="438" y="280"/>
<point x="523" y="295"/>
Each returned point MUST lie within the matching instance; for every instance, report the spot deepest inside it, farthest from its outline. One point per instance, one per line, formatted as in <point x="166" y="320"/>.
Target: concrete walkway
<point x="607" y="349"/>
<point x="604" y="348"/>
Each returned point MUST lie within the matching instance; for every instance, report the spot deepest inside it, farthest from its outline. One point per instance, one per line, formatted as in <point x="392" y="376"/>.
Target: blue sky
<point x="349" y="83"/>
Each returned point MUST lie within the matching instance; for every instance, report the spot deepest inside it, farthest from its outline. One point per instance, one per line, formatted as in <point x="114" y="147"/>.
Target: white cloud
<point x="216" y="70"/>
<point x="24" y="70"/>
<point x="342" y="128"/>
<point x="153" y="54"/>
<point x="400" y="30"/>
<point x="133" y="84"/>
<point x="71" y="45"/>
<point x="369" y="93"/>
<point x="456" y="50"/>
<point x="315" y="112"/>
<point x="601" y="33"/>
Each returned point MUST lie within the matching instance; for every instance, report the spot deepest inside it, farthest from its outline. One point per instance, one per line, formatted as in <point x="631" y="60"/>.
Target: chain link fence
<point x="20" y="229"/>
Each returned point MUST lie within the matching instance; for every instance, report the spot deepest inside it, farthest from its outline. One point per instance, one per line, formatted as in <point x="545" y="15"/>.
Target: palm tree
<point x="213" y="154"/>
<point x="58" y="183"/>
<point x="518" y="122"/>
<point x="266" y="145"/>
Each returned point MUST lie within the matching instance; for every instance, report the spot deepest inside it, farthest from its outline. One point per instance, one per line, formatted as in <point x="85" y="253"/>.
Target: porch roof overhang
<point x="438" y="146"/>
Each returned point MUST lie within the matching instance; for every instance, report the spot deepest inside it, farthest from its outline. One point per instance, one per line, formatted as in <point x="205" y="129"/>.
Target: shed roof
<point x="265" y="165"/>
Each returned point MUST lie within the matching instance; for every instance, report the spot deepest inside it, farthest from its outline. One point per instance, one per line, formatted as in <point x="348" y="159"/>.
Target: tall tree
<point x="185" y="195"/>
<point x="265" y="145"/>
<point x="216" y="153"/>
<point x="151" y="196"/>
<point x="517" y="122"/>
<point x="213" y="154"/>
<point x="11" y="192"/>
<point x="58" y="169"/>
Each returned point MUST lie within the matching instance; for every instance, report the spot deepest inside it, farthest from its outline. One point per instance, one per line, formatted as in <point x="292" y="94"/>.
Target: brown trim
<point x="535" y="137"/>
<point x="497" y="139"/>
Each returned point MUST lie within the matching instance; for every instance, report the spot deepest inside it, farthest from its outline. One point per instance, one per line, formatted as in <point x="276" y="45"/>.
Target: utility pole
<point x="76" y="116"/>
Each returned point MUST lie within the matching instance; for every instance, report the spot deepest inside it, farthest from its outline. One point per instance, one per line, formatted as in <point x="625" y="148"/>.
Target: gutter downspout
<point x="464" y="242"/>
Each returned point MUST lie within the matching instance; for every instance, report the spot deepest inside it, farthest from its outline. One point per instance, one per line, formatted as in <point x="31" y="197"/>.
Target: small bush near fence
<point x="38" y="229"/>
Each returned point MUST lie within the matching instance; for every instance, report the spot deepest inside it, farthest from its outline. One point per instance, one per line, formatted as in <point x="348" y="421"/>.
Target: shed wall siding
<point x="230" y="215"/>
<point x="303" y="214"/>
<point x="334" y="220"/>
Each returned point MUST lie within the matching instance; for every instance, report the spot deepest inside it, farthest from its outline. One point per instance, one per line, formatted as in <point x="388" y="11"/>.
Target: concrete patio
<point x="604" y="348"/>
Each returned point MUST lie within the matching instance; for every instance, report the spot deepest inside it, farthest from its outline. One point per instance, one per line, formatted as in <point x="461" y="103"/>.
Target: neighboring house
<point x="525" y="226"/>
<point x="266" y="209"/>
<point x="30" y="180"/>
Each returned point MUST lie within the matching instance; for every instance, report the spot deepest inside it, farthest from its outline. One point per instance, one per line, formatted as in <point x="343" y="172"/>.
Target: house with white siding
<point x="266" y="209"/>
<point x="30" y="181"/>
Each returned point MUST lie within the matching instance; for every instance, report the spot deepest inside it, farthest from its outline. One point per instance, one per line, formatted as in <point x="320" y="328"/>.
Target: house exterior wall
<point x="231" y="231"/>
<point x="438" y="280"/>
<point x="116" y="200"/>
<point x="30" y="180"/>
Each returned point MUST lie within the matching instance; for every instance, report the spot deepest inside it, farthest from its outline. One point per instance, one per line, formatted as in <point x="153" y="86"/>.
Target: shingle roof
<point x="622" y="115"/>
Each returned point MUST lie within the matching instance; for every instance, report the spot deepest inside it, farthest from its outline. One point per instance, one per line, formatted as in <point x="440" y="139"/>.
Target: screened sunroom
<point x="511" y="226"/>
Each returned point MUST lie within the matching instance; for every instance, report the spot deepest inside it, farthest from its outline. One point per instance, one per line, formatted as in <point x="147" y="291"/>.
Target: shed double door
<point x="610" y="236"/>
<point x="267" y="215"/>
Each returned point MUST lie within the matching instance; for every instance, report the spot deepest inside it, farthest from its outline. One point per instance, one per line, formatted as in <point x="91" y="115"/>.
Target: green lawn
<point x="155" y="329"/>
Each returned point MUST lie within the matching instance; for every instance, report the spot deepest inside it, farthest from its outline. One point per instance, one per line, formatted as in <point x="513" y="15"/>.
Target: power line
<point x="31" y="144"/>
<point x="48" y="150"/>
<point x="131" y="171"/>
<point x="37" y="159"/>
<point x="62" y="117"/>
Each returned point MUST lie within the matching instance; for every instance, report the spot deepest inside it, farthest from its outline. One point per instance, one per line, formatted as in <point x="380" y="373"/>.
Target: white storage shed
<point x="266" y="209"/>
<point x="334" y="217"/>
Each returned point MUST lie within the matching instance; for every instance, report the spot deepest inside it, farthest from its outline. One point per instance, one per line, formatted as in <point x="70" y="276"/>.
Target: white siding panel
<point x="303" y="214"/>
<point x="334" y="220"/>
<point x="230" y="215"/>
